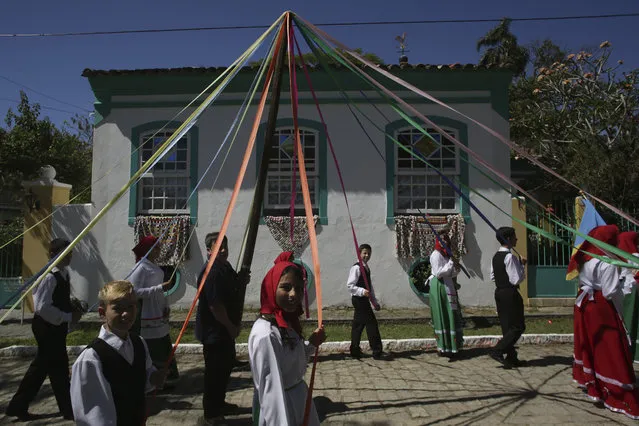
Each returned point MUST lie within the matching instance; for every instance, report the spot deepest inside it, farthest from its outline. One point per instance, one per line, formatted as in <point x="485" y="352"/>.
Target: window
<point x="280" y="170"/>
<point x="417" y="185"/>
<point x="164" y="189"/>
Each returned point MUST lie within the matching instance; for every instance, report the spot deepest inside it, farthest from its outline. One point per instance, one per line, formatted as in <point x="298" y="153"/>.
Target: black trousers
<point x="51" y="360"/>
<point x="159" y="350"/>
<point x="218" y="363"/>
<point x="510" y="309"/>
<point x="364" y="317"/>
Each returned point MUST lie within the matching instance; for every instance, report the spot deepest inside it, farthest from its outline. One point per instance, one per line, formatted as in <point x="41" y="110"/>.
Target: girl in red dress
<point x="602" y="365"/>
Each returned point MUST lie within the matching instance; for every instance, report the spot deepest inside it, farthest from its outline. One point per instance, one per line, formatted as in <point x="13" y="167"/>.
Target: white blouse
<point x="147" y="279"/>
<point x="278" y="375"/>
<point x="596" y="275"/>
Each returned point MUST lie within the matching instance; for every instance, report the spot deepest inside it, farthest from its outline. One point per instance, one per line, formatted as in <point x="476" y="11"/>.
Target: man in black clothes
<point x="218" y="322"/>
<point x="508" y="271"/>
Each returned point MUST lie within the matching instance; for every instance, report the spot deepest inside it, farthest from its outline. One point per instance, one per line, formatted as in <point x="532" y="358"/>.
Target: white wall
<point x="364" y="176"/>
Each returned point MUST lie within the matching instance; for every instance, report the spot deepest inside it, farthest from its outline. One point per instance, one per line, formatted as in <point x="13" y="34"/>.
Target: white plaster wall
<point x="364" y="176"/>
<point x="87" y="270"/>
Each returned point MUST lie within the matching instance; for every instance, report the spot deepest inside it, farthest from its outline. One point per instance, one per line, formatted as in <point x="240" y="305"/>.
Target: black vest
<point x="499" y="270"/>
<point x="128" y="381"/>
<point x="62" y="293"/>
<point x="360" y="282"/>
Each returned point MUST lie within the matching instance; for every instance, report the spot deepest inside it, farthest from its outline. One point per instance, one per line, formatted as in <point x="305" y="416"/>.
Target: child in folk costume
<point x="362" y="299"/>
<point x="153" y="308"/>
<point x="111" y="375"/>
<point x="508" y="271"/>
<point x="602" y="363"/>
<point x="277" y="352"/>
<point x="444" y="305"/>
<point x="628" y="242"/>
<point x="54" y="312"/>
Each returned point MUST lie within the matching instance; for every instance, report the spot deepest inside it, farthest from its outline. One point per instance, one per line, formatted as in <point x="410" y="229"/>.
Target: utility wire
<point x="43" y="94"/>
<point x="325" y="24"/>
<point x="41" y="106"/>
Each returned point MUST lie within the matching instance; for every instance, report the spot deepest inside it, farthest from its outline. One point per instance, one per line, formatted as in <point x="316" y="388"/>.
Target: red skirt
<point x="603" y="365"/>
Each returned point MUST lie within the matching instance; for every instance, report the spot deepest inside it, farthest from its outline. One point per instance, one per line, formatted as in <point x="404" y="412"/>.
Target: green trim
<point x="304" y="101"/>
<point x="497" y="82"/>
<point x="135" y="160"/>
<point x="323" y="178"/>
<point x="462" y="132"/>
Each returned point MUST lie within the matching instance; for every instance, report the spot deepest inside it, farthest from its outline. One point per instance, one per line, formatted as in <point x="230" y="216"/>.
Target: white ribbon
<point x="586" y="291"/>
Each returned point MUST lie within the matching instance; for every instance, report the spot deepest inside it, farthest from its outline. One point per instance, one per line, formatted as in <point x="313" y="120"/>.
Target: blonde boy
<point x="110" y="377"/>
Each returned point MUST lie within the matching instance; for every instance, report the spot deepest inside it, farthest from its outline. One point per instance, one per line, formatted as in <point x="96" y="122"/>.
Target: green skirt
<point x="631" y="320"/>
<point x="446" y="321"/>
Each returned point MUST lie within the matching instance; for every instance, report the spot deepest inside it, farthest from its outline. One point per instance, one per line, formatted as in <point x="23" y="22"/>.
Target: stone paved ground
<point x="416" y="388"/>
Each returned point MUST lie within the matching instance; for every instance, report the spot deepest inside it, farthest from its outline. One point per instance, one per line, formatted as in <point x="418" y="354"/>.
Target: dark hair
<point x="211" y="238"/>
<point x="504" y="234"/>
<point x="296" y="271"/>
<point x="365" y="246"/>
<point x="58" y="245"/>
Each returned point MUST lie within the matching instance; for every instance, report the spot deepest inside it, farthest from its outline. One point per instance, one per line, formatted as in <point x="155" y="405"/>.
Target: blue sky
<point x="53" y="65"/>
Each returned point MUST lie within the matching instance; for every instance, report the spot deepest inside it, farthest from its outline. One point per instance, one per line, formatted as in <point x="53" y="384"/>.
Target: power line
<point x="43" y="94"/>
<point x="41" y="106"/>
<point x="325" y="24"/>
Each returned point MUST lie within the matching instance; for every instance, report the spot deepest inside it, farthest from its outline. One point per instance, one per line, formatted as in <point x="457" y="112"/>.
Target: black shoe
<point x="357" y="354"/>
<point x="240" y="365"/>
<point x="382" y="356"/>
<point x="23" y="416"/>
<point x="497" y="356"/>
<point x="230" y="408"/>
<point x="510" y="362"/>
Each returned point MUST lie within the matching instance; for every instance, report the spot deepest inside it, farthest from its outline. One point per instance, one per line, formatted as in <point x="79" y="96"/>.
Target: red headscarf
<point x="438" y="245"/>
<point x="607" y="234"/>
<point x="628" y="242"/>
<point x="143" y="247"/>
<point x="269" y="287"/>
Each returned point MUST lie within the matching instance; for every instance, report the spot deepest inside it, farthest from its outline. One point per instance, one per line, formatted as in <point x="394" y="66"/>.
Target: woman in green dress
<point x="444" y="305"/>
<point x="628" y="242"/>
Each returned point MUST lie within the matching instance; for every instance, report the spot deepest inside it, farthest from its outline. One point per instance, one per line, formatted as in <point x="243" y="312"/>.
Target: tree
<point x="29" y="142"/>
<point x="545" y="53"/>
<point x="580" y="116"/>
<point x="501" y="49"/>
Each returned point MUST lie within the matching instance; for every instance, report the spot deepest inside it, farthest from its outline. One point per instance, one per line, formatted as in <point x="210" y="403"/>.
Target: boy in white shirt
<point x="110" y="377"/>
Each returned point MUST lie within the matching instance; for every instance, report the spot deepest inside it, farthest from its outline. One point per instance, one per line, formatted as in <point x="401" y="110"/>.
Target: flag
<point x="589" y="221"/>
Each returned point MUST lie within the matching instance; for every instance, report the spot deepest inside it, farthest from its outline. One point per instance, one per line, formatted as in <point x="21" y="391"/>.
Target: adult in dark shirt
<point x="217" y="324"/>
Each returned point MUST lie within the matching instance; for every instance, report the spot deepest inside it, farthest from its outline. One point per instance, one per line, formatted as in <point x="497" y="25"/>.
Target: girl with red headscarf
<point x="152" y="322"/>
<point x="444" y="305"/>
<point x="602" y="364"/>
<point x="277" y="351"/>
<point x="628" y="242"/>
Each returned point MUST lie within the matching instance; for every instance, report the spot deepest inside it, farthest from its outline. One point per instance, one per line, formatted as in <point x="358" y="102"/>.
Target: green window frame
<point x="318" y="129"/>
<point x="193" y="135"/>
<point x="459" y="128"/>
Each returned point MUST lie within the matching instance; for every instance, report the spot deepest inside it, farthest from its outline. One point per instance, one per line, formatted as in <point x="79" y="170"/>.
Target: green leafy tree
<point x="500" y="48"/>
<point x="580" y="116"/>
<point x="29" y="142"/>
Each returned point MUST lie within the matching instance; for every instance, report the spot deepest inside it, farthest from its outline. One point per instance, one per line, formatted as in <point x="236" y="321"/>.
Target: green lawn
<point x="335" y="333"/>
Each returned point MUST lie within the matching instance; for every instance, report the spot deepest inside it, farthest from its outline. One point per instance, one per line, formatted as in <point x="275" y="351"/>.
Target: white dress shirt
<point x="278" y="375"/>
<point x="353" y="277"/>
<point x="91" y="395"/>
<point x="147" y="279"/>
<point x="515" y="270"/>
<point x="43" y="299"/>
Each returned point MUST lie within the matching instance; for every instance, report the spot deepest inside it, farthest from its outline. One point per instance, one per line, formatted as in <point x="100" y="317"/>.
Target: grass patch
<point x="335" y="333"/>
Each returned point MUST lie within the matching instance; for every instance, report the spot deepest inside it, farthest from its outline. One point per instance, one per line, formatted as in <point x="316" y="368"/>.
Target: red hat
<point x="144" y="245"/>
<point x="268" y="303"/>
<point x="628" y="242"/>
<point x="607" y="234"/>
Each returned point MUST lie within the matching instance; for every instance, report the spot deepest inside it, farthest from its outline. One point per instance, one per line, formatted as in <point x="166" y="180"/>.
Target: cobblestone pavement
<point x="415" y="388"/>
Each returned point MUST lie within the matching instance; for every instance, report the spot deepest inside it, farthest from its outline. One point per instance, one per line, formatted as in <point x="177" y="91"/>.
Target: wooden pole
<point x="267" y="152"/>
